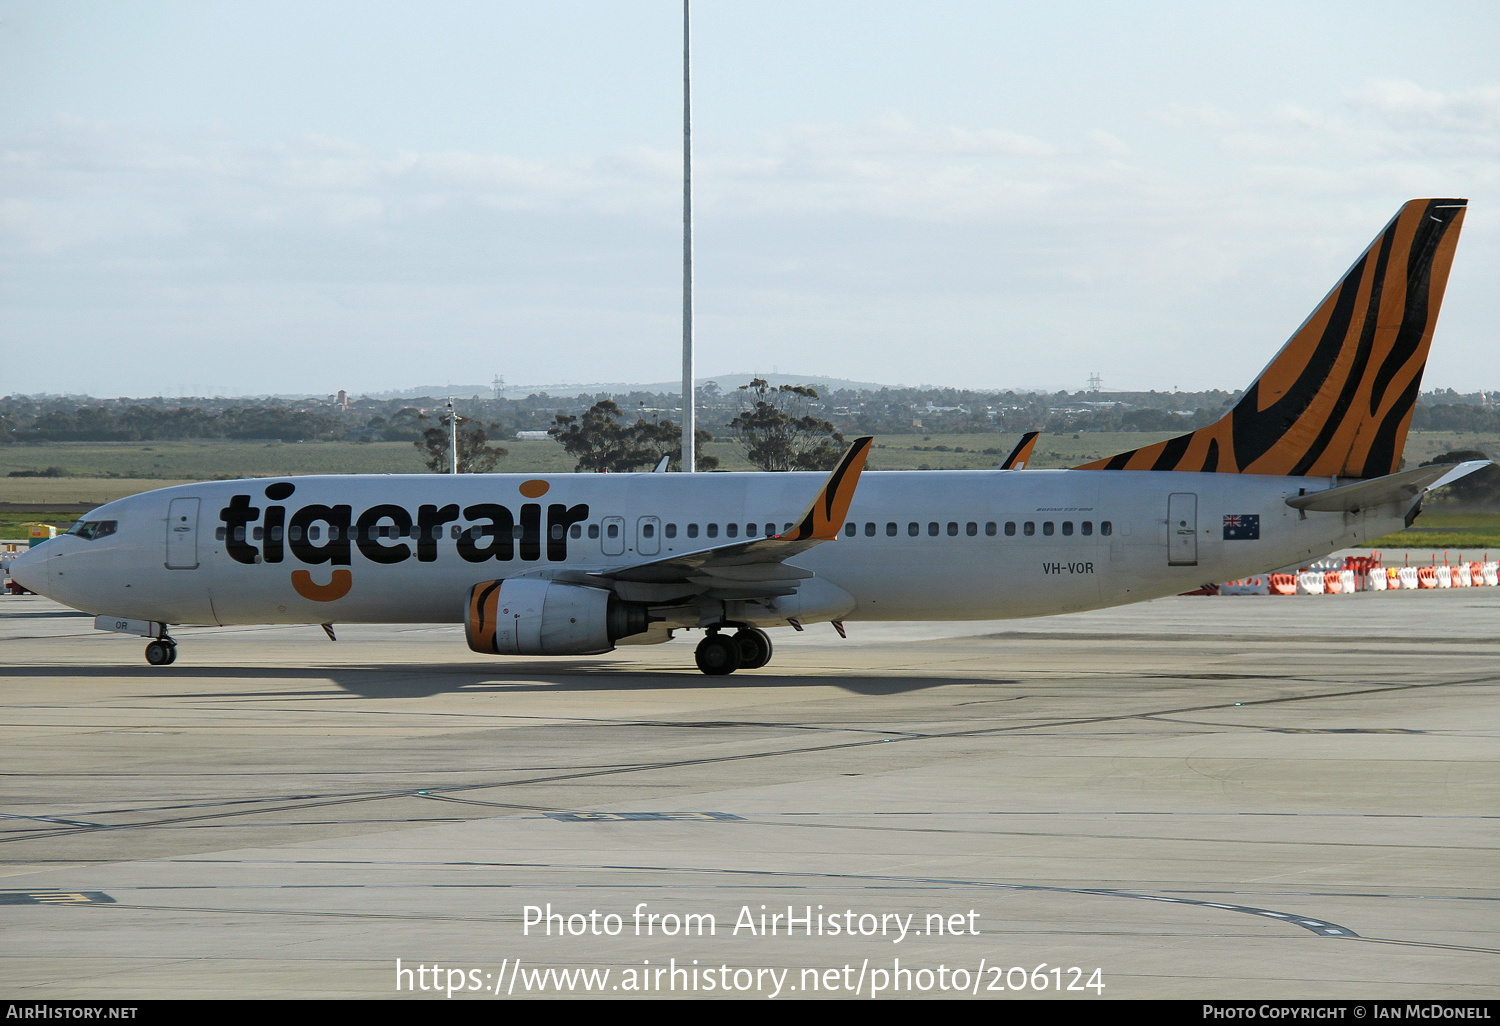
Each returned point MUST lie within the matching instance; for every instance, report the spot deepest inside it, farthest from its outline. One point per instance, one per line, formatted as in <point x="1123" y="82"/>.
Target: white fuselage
<point x="178" y="561"/>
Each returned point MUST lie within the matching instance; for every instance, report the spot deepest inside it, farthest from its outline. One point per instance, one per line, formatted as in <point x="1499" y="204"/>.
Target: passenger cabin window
<point x="1087" y="528"/>
<point x="989" y="529"/>
<point x="611" y="531"/>
<point x="749" y="530"/>
<point x="913" y="529"/>
<point x="647" y="531"/>
<point x="556" y="532"/>
<point x="770" y="530"/>
<point x="576" y="530"/>
<point x="1010" y="528"/>
<point x="258" y="533"/>
<point x="932" y="529"/>
<point x="692" y="530"/>
<point x="971" y="529"/>
<point x="1067" y="527"/>
<point x="1047" y="527"/>
<point x="849" y="530"/>
<point x="670" y="530"/>
<point x="890" y="530"/>
<point x="730" y="530"/>
<point x="713" y="530"/>
<point x="1106" y="528"/>
<point x="870" y="530"/>
<point x="952" y="529"/>
<point x="593" y="530"/>
<point x="1030" y="528"/>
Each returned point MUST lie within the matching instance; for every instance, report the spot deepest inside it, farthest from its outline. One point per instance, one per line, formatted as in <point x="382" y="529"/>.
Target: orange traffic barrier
<point x="1283" y="584"/>
<point x="1427" y="577"/>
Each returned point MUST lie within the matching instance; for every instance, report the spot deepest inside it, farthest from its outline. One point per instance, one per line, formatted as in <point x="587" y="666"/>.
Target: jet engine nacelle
<point x="527" y="616"/>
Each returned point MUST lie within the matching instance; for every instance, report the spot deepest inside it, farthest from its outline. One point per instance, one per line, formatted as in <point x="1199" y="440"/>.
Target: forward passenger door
<point x="182" y="534"/>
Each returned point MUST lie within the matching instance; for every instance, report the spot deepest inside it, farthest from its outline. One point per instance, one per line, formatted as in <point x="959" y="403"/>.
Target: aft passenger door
<point x="1182" y="529"/>
<point x="182" y="534"/>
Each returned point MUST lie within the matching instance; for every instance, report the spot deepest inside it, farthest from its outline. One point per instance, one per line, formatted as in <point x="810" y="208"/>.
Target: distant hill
<point x="726" y="382"/>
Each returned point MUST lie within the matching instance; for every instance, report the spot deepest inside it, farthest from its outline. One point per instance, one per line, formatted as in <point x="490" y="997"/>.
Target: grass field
<point x="201" y="461"/>
<point x="1440" y="528"/>
<point x="102" y="471"/>
<point x="206" y="460"/>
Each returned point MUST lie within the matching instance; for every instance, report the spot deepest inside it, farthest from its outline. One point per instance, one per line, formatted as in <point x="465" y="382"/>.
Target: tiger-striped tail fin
<point x="1338" y="398"/>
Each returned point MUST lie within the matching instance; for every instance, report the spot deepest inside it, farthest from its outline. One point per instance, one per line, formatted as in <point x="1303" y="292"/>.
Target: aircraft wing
<point x="753" y="568"/>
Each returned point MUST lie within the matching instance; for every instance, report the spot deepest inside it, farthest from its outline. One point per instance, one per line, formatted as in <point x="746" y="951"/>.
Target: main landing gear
<point x="162" y="651"/>
<point x="719" y="654"/>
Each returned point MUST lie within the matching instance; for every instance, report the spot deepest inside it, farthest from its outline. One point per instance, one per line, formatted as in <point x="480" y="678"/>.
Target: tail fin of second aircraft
<point x="1021" y="454"/>
<point x="1338" y="397"/>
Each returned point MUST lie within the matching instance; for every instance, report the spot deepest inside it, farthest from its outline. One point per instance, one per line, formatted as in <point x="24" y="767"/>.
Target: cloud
<point x="917" y="244"/>
<point x="1406" y="106"/>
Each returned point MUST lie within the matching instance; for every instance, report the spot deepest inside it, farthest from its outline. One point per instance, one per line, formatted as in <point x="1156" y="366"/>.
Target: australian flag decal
<point x="1242" y="527"/>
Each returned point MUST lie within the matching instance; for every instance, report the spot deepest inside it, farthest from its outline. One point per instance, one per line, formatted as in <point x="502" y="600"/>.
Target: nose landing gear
<point x="162" y="651"/>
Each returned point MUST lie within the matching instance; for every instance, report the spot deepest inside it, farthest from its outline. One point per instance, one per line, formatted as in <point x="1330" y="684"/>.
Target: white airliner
<point x="575" y="564"/>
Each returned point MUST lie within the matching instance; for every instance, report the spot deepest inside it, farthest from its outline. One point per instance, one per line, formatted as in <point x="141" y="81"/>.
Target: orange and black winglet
<point x="1021" y="454"/>
<point x="823" y="519"/>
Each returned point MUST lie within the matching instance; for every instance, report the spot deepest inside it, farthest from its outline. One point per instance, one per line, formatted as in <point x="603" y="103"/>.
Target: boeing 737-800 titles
<point x="1306" y="462"/>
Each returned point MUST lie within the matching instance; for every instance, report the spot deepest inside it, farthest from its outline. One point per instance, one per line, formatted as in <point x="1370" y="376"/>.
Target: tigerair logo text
<point x="388" y="533"/>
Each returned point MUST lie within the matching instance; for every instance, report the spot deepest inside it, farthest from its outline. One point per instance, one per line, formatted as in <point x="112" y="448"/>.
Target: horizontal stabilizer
<point x="1381" y="491"/>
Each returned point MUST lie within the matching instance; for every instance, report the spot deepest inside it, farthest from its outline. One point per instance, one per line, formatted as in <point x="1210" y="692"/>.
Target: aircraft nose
<point x="29" y="569"/>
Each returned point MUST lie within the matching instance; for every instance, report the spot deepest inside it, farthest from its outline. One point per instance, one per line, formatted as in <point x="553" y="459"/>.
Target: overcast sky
<point x="301" y="197"/>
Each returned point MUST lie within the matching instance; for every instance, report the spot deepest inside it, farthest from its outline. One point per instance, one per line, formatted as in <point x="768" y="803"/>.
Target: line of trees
<point x="475" y="454"/>
<point x="602" y="441"/>
<point x="865" y="411"/>
<point x="97" y="423"/>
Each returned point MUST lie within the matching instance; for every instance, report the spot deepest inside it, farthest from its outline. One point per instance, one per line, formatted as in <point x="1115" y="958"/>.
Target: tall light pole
<point x="689" y="397"/>
<point x="453" y="428"/>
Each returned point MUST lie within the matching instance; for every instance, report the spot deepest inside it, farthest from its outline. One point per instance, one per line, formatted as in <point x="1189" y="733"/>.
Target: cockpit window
<point x="89" y="530"/>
